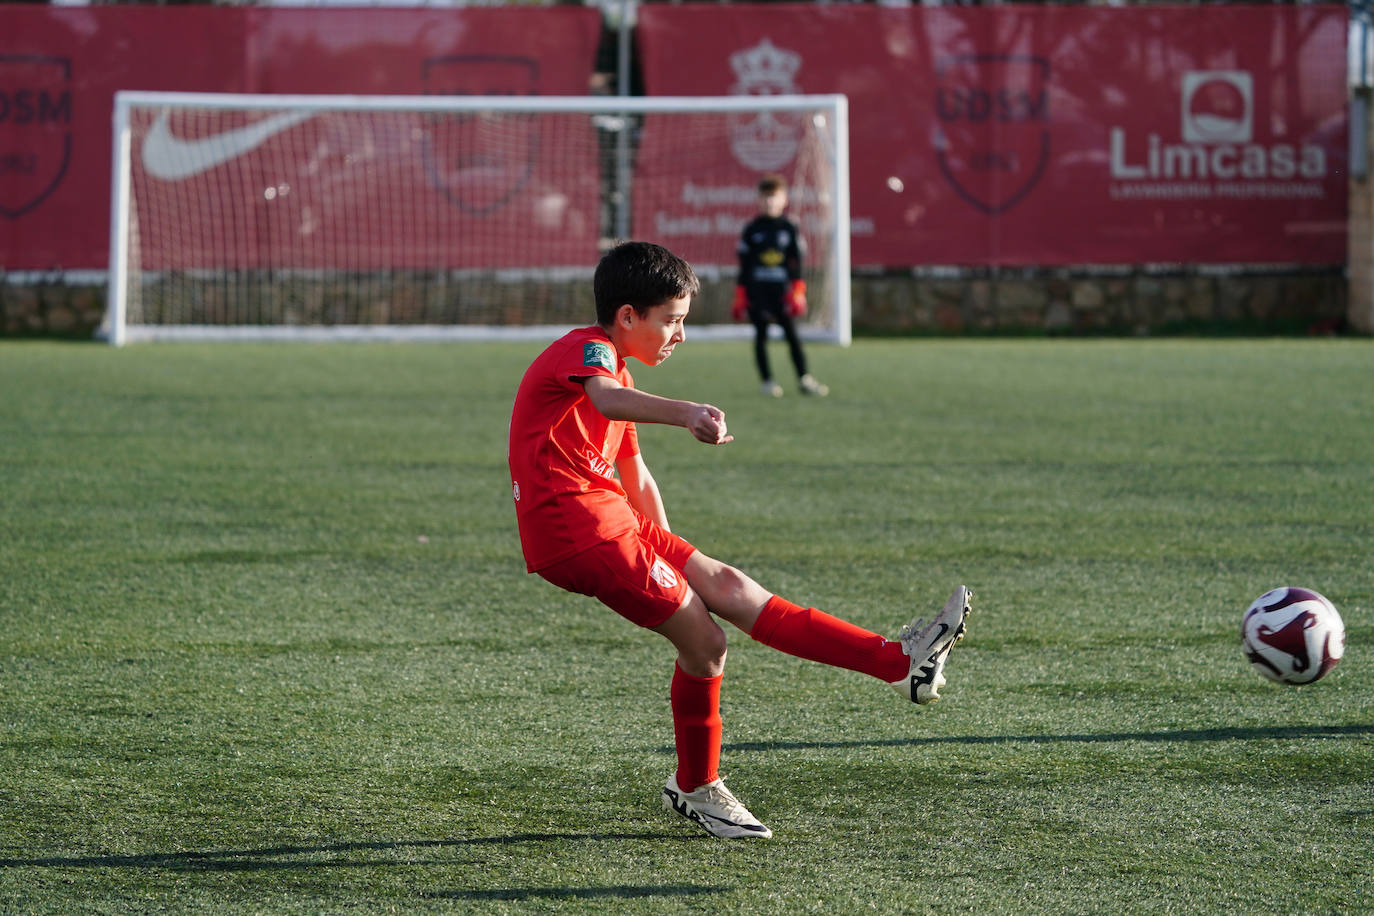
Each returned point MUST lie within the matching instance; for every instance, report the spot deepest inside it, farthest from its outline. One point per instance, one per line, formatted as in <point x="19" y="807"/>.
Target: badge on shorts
<point x="663" y="574"/>
<point x="595" y="353"/>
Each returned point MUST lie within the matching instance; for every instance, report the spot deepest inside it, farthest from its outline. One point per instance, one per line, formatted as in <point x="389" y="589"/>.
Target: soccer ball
<point x="1292" y="635"/>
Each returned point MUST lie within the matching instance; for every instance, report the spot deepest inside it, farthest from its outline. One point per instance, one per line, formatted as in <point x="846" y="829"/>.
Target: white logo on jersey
<point x="597" y="463"/>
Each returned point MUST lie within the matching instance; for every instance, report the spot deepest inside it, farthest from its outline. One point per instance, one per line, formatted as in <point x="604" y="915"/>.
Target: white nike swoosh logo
<point x="172" y="158"/>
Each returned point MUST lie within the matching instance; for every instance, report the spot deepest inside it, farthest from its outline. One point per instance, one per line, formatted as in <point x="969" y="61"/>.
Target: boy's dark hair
<point x="771" y="184"/>
<point x="640" y="274"/>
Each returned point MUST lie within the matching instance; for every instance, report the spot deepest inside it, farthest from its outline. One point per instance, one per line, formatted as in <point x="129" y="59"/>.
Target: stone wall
<point x="939" y="302"/>
<point x="50" y="308"/>
<point x="1128" y="302"/>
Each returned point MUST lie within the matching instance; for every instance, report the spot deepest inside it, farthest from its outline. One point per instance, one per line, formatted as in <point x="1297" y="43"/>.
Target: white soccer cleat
<point x="771" y="389"/>
<point x="715" y="808"/>
<point x="810" y="386"/>
<point x="928" y="645"/>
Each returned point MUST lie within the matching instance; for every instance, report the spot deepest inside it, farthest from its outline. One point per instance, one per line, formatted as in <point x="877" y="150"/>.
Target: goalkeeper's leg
<point x="760" y="321"/>
<point x="794" y="342"/>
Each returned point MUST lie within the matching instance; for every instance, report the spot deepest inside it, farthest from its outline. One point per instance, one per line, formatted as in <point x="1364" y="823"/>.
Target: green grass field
<point x="268" y="645"/>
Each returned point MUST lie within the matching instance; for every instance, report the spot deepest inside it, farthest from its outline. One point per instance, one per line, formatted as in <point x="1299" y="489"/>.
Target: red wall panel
<point x="60" y="68"/>
<point x="1021" y="135"/>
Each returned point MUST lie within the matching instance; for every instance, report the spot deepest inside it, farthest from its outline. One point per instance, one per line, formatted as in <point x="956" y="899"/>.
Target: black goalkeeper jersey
<point x="770" y="257"/>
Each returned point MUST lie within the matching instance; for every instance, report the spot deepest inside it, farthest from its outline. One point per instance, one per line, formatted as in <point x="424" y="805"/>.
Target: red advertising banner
<point x="1040" y="135"/>
<point x="60" y="68"/>
<point x="294" y="188"/>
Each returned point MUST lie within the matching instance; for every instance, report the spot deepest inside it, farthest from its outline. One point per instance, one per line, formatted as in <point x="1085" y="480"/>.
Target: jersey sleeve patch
<point x="596" y="353"/>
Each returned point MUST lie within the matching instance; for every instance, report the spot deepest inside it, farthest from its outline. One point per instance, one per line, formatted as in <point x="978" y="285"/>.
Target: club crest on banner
<point x="992" y="133"/>
<point x="35" y="129"/>
<point x="481" y="161"/>
<point x="765" y="141"/>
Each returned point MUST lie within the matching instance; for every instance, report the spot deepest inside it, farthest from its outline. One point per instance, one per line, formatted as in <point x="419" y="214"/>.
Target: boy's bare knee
<point x="699" y="640"/>
<point x="722" y="586"/>
<point x="703" y="655"/>
<point x="708" y="665"/>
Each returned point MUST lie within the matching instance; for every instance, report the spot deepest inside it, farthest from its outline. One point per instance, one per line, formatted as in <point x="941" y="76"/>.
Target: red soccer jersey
<point x="563" y="451"/>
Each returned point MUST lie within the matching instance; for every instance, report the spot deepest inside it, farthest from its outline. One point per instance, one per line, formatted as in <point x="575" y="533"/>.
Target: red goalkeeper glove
<point x="740" y="307"/>
<point x="796" y="298"/>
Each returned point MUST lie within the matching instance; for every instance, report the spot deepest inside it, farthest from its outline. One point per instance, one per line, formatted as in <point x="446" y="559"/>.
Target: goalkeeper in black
<point x="770" y="289"/>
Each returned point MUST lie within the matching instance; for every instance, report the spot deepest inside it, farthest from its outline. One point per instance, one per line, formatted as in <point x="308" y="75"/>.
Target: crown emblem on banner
<point x="765" y="64"/>
<point x="764" y="141"/>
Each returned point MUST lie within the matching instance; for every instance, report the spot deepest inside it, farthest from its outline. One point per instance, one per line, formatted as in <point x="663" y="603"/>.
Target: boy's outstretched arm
<point x="642" y="490"/>
<point x="617" y="402"/>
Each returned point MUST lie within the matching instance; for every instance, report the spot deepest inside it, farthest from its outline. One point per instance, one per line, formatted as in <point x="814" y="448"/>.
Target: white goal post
<point x="451" y="217"/>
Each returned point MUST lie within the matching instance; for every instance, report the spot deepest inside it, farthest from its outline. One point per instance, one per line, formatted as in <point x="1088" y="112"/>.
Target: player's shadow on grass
<point x="624" y="891"/>
<point x="1168" y="737"/>
<point x="336" y="855"/>
<point x="345" y="855"/>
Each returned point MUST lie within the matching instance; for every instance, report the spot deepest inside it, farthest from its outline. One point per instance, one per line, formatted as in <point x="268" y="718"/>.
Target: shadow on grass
<point x="624" y="891"/>
<point x="335" y="855"/>
<point x="243" y="557"/>
<point x="342" y="855"/>
<point x="1185" y="736"/>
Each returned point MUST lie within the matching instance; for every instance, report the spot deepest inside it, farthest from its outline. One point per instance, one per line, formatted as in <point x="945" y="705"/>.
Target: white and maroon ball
<point x="1292" y="635"/>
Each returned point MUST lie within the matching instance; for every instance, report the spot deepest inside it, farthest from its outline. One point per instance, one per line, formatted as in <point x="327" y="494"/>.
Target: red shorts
<point x="638" y="575"/>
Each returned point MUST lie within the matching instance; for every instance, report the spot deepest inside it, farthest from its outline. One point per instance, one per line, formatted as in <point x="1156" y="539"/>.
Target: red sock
<point x="817" y="636"/>
<point x="696" y="728"/>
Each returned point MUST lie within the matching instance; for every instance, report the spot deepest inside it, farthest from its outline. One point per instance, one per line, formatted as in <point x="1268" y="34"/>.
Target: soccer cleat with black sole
<point x="715" y="809"/>
<point x="928" y="645"/>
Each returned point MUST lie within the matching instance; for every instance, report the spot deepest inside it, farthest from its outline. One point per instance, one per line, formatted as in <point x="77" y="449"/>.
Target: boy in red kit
<point x="592" y="521"/>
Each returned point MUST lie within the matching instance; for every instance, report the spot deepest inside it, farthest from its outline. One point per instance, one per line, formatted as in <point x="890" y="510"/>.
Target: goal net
<point x="418" y="217"/>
